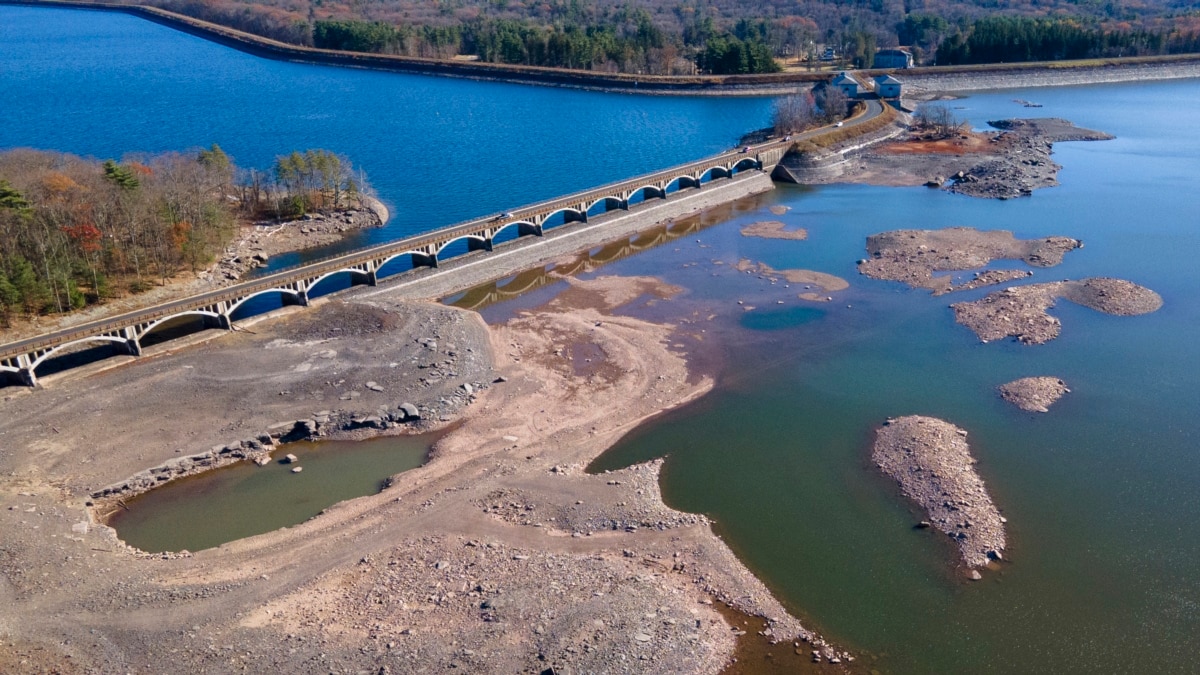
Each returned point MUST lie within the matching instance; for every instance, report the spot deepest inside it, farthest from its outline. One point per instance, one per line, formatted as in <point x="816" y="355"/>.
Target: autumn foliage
<point x="77" y="231"/>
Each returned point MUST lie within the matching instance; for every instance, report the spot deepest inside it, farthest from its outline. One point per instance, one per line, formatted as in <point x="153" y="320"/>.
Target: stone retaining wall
<point x="1049" y="76"/>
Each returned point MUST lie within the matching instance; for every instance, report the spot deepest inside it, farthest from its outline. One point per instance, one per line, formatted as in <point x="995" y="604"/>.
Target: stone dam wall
<point x="1049" y="76"/>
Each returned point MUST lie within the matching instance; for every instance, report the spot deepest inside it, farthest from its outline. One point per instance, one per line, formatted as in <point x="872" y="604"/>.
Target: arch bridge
<point x="19" y="361"/>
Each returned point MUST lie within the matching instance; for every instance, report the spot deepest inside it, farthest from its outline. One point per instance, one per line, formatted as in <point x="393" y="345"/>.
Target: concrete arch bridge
<point x="126" y="333"/>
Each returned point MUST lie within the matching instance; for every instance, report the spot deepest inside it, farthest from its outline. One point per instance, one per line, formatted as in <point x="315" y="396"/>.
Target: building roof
<point x="886" y="79"/>
<point x="845" y="78"/>
<point x="894" y="52"/>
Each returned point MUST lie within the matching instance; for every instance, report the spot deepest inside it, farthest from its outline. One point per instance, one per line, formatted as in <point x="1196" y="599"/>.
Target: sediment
<point x="500" y="554"/>
<point x="773" y="229"/>
<point x="1005" y="164"/>
<point x="932" y="462"/>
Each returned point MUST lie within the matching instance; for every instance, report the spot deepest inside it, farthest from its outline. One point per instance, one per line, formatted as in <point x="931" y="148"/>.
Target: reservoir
<point x="1101" y="494"/>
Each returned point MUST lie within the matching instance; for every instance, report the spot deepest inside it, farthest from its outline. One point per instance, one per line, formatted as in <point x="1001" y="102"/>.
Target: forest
<point x="75" y="231"/>
<point x="680" y="37"/>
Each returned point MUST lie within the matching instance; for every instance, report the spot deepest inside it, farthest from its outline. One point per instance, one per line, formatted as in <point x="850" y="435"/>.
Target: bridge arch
<point x="194" y="312"/>
<point x="569" y="215"/>
<point x="416" y="258"/>
<point x="33" y="365"/>
<point x="515" y="230"/>
<point x="610" y="202"/>
<point x="355" y="276"/>
<point x="681" y="182"/>
<point x="714" y="172"/>
<point x="646" y="192"/>
<point x="743" y="164"/>
<point x="352" y="271"/>
<point x="296" y="296"/>
<point x="473" y="242"/>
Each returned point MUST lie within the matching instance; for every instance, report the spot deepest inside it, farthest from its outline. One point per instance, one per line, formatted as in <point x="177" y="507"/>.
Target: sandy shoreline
<point x="642" y="576"/>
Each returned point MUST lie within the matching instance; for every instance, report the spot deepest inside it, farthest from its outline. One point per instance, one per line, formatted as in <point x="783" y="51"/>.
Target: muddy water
<point x="1103" y="571"/>
<point x="243" y="499"/>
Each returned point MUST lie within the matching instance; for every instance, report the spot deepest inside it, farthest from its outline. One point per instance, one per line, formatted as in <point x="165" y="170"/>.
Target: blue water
<point x="438" y="151"/>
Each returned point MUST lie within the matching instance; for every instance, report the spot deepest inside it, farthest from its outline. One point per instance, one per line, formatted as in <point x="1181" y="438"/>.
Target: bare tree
<point x="832" y="102"/>
<point x="793" y="114"/>
<point x="939" y="120"/>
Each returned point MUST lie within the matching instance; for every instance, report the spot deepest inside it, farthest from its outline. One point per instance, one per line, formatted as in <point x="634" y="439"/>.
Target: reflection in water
<point x="512" y="287"/>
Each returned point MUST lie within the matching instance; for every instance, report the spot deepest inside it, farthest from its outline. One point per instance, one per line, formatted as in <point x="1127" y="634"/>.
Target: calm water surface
<point x="437" y="150"/>
<point x="242" y="500"/>
<point x="1101" y="494"/>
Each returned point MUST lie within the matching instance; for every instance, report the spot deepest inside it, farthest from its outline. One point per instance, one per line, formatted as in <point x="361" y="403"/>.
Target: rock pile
<point x="1020" y="311"/>
<point x="1025" y="164"/>
<point x="932" y="462"/>
<point x="1034" y="394"/>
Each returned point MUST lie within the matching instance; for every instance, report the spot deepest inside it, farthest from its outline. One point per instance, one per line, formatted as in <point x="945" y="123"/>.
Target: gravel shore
<point x="498" y="555"/>
<point x="932" y="462"/>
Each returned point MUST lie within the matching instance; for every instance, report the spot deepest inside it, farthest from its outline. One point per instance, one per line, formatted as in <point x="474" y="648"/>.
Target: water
<point x="243" y="500"/>
<point x="1101" y="493"/>
<point x="438" y="151"/>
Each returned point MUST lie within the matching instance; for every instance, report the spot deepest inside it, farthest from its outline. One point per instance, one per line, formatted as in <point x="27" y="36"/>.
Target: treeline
<point x="628" y="42"/>
<point x="720" y="36"/>
<point x="74" y="231"/>
<point x="1013" y="39"/>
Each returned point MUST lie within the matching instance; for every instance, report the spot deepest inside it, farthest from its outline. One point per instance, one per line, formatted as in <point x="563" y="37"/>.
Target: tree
<point x="938" y="119"/>
<point x="832" y="102"/>
<point x="121" y="176"/>
<point x="793" y="114"/>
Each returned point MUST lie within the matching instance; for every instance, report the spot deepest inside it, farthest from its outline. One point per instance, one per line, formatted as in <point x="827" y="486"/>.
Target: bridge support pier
<point x="27" y="377"/>
<point x="131" y="341"/>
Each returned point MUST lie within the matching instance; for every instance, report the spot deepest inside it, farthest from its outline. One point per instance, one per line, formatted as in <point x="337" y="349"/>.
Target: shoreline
<point x="929" y="78"/>
<point x="524" y="439"/>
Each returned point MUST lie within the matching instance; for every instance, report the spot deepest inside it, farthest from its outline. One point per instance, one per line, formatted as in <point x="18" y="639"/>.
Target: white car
<point x="839" y="124"/>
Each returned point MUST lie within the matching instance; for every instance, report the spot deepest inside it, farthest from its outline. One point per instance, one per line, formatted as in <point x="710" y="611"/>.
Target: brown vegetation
<point x="77" y="231"/>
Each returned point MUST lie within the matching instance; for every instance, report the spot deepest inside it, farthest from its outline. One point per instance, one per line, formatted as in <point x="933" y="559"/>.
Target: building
<point x="893" y="58"/>
<point x="846" y="82"/>
<point x="887" y="86"/>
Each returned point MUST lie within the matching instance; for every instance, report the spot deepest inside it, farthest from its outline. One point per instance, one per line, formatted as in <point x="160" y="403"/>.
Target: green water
<point x="1102" y="494"/>
<point x="242" y="500"/>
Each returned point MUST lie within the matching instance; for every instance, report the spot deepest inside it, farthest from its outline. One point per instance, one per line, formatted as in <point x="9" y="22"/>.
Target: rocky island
<point x="1021" y="311"/>
<point x="932" y="462"/>
<point x="912" y="256"/>
<point x="1034" y="394"/>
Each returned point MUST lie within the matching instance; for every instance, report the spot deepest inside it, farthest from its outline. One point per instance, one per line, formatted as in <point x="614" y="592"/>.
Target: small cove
<point x="242" y="500"/>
